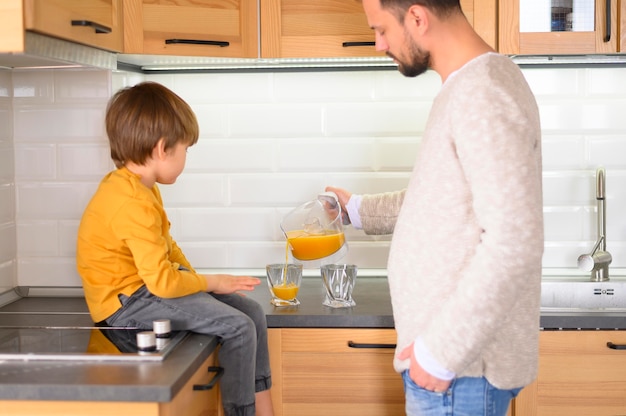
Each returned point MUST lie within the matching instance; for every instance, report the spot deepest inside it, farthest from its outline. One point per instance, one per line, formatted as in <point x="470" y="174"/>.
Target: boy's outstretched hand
<point x="226" y="283"/>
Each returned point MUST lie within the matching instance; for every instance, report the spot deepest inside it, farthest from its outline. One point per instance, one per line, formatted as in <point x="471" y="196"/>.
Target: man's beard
<point x="420" y="60"/>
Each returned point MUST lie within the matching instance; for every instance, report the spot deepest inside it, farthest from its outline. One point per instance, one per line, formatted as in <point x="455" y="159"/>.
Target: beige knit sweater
<point x="465" y="259"/>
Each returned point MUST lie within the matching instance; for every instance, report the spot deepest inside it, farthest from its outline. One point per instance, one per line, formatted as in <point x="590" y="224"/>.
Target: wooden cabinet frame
<point x="511" y="41"/>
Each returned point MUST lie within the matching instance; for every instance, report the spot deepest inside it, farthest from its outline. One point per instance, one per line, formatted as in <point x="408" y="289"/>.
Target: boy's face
<point x="173" y="164"/>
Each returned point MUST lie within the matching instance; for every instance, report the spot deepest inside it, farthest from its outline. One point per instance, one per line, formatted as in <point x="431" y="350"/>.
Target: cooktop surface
<point x="84" y="343"/>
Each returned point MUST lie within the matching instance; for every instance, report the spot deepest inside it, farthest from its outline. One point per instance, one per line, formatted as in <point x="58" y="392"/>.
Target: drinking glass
<point x="284" y="280"/>
<point x="339" y="281"/>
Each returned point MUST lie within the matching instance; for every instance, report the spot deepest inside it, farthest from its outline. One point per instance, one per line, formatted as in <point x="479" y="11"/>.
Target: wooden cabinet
<point x="91" y="22"/>
<point x="339" y="28"/>
<point x="578" y="376"/>
<point x="188" y="401"/>
<point x="345" y="372"/>
<point x="622" y="26"/>
<point x="602" y="35"/>
<point x="216" y="28"/>
<point x="200" y="395"/>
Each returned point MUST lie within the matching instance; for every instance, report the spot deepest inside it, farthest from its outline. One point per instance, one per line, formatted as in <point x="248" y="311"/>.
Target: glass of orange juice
<point x="284" y="280"/>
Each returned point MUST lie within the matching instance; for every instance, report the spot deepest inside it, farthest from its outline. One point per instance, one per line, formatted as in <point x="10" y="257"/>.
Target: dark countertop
<point x="160" y="381"/>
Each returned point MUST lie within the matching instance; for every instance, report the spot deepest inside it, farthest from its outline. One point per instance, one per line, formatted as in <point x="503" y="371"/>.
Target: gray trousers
<point x="238" y="321"/>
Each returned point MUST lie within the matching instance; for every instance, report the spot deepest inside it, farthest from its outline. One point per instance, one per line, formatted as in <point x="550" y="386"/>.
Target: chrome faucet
<point x="597" y="262"/>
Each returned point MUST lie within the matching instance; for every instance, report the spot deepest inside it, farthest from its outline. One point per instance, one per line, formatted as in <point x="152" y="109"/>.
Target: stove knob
<point x="146" y="341"/>
<point x="162" y="328"/>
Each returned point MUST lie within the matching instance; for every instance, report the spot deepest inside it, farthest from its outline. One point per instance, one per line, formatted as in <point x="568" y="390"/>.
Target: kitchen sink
<point x="575" y="295"/>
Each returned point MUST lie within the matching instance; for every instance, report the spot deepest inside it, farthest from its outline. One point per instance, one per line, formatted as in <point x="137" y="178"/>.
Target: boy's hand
<point x="223" y="284"/>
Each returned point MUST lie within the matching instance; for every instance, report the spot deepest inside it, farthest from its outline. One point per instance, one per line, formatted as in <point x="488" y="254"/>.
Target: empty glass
<point x="339" y="281"/>
<point x="284" y="281"/>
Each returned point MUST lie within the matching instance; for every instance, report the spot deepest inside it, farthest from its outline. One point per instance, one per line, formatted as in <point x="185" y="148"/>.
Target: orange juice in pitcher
<point x="314" y="230"/>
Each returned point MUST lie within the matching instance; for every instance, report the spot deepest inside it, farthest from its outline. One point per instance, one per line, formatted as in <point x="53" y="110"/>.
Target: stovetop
<point x="81" y="343"/>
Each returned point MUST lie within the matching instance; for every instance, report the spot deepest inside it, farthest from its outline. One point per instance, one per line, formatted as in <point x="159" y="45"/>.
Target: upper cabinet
<point x="91" y="22"/>
<point x="560" y="27"/>
<point x="339" y="28"/>
<point x="216" y="28"/>
<point x="307" y="29"/>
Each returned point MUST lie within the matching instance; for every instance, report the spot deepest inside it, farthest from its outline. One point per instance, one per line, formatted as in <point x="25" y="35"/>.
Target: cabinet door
<point x="91" y="22"/>
<point x="200" y="395"/>
<point x="339" y="28"/>
<point x="538" y="27"/>
<point x="578" y="376"/>
<point x="317" y="372"/>
<point x="216" y="28"/>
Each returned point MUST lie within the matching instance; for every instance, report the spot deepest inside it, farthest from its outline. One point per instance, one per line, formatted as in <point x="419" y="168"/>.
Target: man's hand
<point x="343" y="196"/>
<point x="223" y="284"/>
<point x="420" y="376"/>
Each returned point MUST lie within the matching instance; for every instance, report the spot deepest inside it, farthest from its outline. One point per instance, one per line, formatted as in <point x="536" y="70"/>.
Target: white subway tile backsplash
<point x="231" y="155"/>
<point x="7" y="203"/>
<point x="35" y="162"/>
<point x="396" y="154"/>
<point x="272" y="141"/>
<point x="608" y="151"/>
<point x="376" y="119"/>
<point x="195" y="190"/>
<point x="58" y="124"/>
<point x="8" y="249"/>
<point x="48" y="271"/>
<point x="81" y="161"/>
<point x="606" y="82"/>
<point x="563" y="152"/>
<point x="6" y="123"/>
<point x="569" y="188"/>
<point x="547" y="82"/>
<point x="236" y="224"/>
<point x="81" y="86"/>
<point x="315" y="155"/>
<point x="393" y="86"/>
<point x="7" y="166"/>
<point x="54" y="201"/>
<point x="323" y="87"/>
<point x="33" y="87"/>
<point x="275" y="120"/>
<point x="38" y="238"/>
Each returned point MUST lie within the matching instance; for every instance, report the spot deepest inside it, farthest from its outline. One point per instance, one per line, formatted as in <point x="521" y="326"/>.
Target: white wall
<point x="8" y="250"/>
<point x="271" y="141"/>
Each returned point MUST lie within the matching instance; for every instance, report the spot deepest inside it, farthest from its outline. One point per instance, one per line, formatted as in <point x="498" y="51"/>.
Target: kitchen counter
<point x="160" y="381"/>
<point x="373" y="310"/>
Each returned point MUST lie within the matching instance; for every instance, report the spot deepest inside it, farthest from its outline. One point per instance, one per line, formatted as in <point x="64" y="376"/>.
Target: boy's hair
<point x="440" y="8"/>
<point x="138" y="117"/>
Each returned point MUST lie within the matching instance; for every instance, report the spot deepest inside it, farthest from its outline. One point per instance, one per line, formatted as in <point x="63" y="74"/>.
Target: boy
<point x="133" y="272"/>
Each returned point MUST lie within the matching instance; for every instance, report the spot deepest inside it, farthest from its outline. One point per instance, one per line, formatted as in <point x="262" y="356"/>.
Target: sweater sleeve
<point x="379" y="212"/>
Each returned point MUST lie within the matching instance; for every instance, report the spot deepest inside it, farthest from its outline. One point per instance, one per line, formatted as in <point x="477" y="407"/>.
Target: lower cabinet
<point x="200" y="396"/>
<point x="346" y="372"/>
<point x="579" y="375"/>
<point x="188" y="402"/>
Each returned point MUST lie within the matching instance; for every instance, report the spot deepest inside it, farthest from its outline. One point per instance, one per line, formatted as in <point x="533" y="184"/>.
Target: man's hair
<point x="440" y="8"/>
<point x="138" y="117"/>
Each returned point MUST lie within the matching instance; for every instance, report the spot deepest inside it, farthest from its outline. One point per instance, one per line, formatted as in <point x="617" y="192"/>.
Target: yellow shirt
<point x="124" y="242"/>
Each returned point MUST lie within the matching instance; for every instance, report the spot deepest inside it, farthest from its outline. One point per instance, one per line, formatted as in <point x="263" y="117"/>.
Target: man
<point x="464" y="266"/>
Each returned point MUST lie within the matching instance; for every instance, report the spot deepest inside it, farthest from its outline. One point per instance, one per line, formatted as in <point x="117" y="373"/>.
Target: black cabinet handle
<point x="607" y="36"/>
<point x="96" y="26"/>
<point x="352" y="344"/>
<point x="219" y="43"/>
<point x="349" y="44"/>
<point x="219" y="372"/>
<point x="616" y="346"/>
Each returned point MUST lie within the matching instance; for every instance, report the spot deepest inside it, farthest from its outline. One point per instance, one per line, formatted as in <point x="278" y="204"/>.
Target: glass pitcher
<point x="314" y="231"/>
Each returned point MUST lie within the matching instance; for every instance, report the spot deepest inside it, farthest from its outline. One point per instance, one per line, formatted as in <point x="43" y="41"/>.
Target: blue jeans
<point x="238" y="321"/>
<point x="467" y="396"/>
